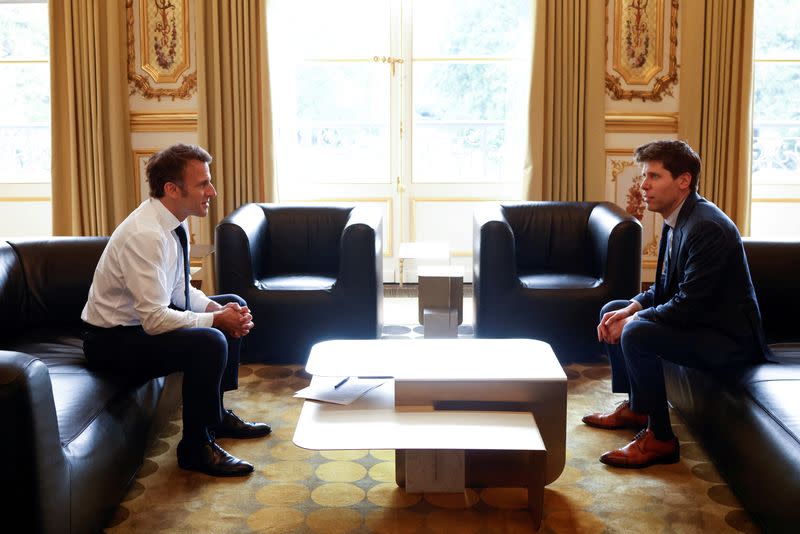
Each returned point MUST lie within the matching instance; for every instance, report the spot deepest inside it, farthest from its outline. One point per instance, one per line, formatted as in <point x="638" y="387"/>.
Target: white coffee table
<point x="502" y="401"/>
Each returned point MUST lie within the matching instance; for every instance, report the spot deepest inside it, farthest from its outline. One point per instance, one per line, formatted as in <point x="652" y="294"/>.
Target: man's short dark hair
<point x="168" y="165"/>
<point x="676" y="156"/>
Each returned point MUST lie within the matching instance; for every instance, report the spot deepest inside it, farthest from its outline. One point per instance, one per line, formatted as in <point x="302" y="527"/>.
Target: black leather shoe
<point x="211" y="459"/>
<point x="234" y="427"/>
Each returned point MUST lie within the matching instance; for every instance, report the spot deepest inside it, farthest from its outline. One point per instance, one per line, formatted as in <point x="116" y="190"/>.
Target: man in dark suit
<point x="701" y="311"/>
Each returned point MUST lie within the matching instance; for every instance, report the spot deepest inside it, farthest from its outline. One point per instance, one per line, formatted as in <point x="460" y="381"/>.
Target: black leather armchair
<point x="308" y="273"/>
<point x="543" y="270"/>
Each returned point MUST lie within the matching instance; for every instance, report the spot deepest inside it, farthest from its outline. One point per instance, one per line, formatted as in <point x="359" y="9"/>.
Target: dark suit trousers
<point x="208" y="359"/>
<point x="636" y="359"/>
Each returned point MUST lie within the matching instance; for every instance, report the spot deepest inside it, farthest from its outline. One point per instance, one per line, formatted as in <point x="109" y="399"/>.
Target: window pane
<point x="775" y="220"/>
<point x="25" y="154"/>
<point x="776" y="92"/>
<point x="776" y="29"/>
<point x="23" y="31"/>
<point x="339" y="130"/>
<point x="25" y="93"/>
<point x="331" y="117"/>
<point x="471" y="28"/>
<point x="465" y="127"/>
<point x="462" y="91"/>
<point x="325" y="29"/>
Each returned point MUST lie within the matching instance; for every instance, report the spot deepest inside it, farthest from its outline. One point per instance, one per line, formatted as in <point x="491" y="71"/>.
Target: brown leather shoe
<point x="621" y="417"/>
<point x="644" y="450"/>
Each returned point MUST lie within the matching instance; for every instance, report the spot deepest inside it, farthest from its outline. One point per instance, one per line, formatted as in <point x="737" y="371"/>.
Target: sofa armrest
<point x="361" y="250"/>
<point x="36" y="470"/>
<point x="616" y="240"/>
<point x="240" y="249"/>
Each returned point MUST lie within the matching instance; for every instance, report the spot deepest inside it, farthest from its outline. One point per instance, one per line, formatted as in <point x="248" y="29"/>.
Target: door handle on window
<point x="388" y="59"/>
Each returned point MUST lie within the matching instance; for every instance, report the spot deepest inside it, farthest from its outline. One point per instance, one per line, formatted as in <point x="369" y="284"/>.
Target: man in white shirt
<point x="701" y="312"/>
<point x="138" y="323"/>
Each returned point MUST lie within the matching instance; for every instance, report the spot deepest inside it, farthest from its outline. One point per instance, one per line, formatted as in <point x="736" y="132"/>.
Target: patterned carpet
<point x="337" y="492"/>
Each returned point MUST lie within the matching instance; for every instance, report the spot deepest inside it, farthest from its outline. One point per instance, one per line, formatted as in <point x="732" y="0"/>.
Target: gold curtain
<point x="92" y="173"/>
<point x="566" y="130"/>
<point x="234" y="119"/>
<point x="715" y="100"/>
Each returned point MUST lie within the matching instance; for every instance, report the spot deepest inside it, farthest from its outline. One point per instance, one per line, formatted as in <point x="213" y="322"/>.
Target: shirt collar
<point x="166" y="219"/>
<point x="672" y="218"/>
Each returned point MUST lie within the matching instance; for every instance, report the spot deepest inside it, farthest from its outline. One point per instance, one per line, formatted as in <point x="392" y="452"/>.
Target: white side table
<point x="422" y="250"/>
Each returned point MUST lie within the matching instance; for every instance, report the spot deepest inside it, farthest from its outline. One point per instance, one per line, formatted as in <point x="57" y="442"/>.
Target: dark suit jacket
<point x="708" y="281"/>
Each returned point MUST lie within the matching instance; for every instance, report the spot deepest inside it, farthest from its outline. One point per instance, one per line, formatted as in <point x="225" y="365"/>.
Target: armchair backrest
<point x="303" y="239"/>
<point x="551" y="236"/>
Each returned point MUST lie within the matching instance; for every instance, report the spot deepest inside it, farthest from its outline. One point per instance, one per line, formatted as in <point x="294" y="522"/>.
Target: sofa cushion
<point x="559" y="281"/>
<point x="776" y="389"/>
<point x="297" y="282"/>
<point x="785" y="352"/>
<point x="79" y="394"/>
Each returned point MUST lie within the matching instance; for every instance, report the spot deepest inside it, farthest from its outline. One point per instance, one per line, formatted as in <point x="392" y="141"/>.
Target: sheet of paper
<point x="322" y="389"/>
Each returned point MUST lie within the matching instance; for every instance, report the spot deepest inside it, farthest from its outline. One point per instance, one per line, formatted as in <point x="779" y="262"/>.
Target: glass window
<point x="776" y="120"/>
<point x="25" y="119"/>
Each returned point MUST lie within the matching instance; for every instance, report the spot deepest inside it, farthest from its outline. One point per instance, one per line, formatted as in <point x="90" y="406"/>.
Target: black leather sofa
<point x="544" y="270"/>
<point x="308" y="273"/>
<point x="72" y="440"/>
<point x="748" y="419"/>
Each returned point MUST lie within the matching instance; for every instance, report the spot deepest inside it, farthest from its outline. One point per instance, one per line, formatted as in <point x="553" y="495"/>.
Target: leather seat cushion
<point x="780" y="399"/>
<point x="786" y="352"/>
<point x="80" y="395"/>
<point x="558" y="281"/>
<point x="297" y="282"/>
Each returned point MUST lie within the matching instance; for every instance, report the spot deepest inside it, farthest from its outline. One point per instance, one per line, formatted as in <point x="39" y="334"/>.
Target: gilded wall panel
<point x="159" y="53"/>
<point x="625" y="191"/>
<point x="642" y="42"/>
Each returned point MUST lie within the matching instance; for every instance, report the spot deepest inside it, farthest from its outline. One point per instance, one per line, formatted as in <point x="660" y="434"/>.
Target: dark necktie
<point x="668" y="251"/>
<point x="181" y="233"/>
<point x="663" y="263"/>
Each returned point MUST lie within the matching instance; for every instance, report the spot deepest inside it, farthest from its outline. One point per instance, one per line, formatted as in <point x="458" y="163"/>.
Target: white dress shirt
<point x="140" y="273"/>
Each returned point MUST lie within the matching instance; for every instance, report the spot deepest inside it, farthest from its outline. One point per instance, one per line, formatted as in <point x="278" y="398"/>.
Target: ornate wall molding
<point x="642" y="123"/>
<point x="163" y="122"/>
<point x="638" y="50"/>
<point x="167" y="61"/>
<point x="626" y="181"/>
<point x="140" y="157"/>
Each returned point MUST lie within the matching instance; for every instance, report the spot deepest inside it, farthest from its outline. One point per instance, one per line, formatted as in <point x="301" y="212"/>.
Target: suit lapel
<point x="674" y="271"/>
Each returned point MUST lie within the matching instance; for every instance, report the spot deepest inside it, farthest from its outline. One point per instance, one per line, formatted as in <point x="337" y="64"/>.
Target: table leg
<point x="538" y="460"/>
<point x="400" y="467"/>
<point x="400" y="261"/>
